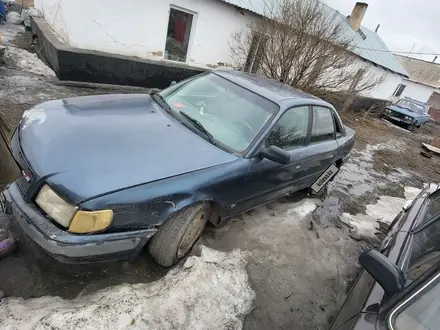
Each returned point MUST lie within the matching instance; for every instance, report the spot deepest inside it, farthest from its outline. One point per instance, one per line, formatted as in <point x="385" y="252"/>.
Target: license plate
<point x="325" y="178"/>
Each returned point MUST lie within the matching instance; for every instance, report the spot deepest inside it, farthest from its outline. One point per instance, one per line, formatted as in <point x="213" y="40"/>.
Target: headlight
<point x="406" y="117"/>
<point x="55" y="206"/>
<point x="91" y="221"/>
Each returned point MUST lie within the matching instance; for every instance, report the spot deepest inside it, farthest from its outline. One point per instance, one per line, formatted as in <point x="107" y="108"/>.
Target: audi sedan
<point x="102" y="176"/>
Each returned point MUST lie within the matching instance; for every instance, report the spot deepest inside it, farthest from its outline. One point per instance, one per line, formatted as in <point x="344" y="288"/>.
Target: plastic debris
<point x="14" y="18"/>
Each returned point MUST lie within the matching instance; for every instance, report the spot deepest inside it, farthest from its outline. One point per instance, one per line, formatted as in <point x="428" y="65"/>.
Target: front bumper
<point x="397" y="119"/>
<point x="67" y="247"/>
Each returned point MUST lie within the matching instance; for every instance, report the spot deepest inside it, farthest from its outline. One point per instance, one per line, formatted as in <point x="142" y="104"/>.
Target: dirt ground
<point x="285" y="265"/>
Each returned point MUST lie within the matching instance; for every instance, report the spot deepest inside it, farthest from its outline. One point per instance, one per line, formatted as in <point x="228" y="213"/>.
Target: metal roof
<point x="372" y="48"/>
<point x="420" y="71"/>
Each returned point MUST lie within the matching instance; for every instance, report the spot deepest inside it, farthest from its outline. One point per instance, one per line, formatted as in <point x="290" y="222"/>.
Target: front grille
<point x="397" y="114"/>
<point x="23" y="184"/>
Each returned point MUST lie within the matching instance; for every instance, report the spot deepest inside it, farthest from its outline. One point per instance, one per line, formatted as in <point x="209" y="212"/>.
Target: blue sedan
<point x="409" y="112"/>
<point x="102" y="176"/>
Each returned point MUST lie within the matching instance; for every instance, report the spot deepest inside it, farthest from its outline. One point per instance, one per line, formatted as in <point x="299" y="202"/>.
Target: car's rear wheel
<point x="177" y="235"/>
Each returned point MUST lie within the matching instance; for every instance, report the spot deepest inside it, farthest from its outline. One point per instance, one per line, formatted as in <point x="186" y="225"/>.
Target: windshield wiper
<point x="199" y="126"/>
<point x="161" y="101"/>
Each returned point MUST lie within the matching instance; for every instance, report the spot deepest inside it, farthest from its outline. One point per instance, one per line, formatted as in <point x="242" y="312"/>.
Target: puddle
<point x="328" y="212"/>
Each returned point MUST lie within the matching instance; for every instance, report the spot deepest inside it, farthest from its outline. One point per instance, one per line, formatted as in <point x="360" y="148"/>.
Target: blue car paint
<point x="95" y="145"/>
<point x="160" y="166"/>
<point x="419" y="119"/>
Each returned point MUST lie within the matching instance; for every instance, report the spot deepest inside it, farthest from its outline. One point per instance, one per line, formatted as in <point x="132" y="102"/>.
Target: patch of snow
<point x="411" y="192"/>
<point x="386" y="209"/>
<point x="212" y="294"/>
<point x="14" y="18"/>
<point x="9" y="31"/>
<point x="27" y="61"/>
<point x="303" y="208"/>
<point x="362" y="226"/>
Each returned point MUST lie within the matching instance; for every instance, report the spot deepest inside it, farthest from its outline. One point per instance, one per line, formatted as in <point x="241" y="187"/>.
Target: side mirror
<point x="388" y="275"/>
<point x="173" y="83"/>
<point x="276" y="154"/>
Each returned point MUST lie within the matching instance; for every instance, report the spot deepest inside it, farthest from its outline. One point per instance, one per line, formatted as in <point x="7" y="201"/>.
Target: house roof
<point x="372" y="48"/>
<point x="423" y="72"/>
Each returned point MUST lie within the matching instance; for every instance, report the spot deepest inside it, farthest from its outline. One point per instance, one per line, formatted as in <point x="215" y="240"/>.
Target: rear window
<point x="432" y="208"/>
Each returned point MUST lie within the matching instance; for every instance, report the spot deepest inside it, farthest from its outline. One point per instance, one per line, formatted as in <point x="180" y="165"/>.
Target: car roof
<point x="269" y="88"/>
<point x="407" y="98"/>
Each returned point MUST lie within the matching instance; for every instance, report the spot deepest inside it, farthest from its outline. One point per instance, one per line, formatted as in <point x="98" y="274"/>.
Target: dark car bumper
<point x="397" y="119"/>
<point x="67" y="247"/>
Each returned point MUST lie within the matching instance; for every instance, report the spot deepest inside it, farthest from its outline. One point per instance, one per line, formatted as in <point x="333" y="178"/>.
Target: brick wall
<point x="434" y="106"/>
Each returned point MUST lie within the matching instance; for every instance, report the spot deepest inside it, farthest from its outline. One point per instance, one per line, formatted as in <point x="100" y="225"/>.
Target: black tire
<point x="410" y="127"/>
<point x="168" y="245"/>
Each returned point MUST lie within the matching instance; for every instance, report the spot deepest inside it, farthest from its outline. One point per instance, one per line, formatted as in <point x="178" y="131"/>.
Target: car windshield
<point x="233" y="115"/>
<point x="412" y="106"/>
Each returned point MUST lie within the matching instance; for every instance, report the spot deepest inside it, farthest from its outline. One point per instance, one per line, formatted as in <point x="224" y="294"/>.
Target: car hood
<point x="89" y="146"/>
<point x="404" y="111"/>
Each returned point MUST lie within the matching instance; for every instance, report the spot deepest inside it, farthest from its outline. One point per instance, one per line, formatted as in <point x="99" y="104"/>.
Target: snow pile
<point x="14" y="18"/>
<point x="411" y="192"/>
<point x="213" y="293"/>
<point x="27" y="61"/>
<point x="364" y="226"/>
<point x="302" y="209"/>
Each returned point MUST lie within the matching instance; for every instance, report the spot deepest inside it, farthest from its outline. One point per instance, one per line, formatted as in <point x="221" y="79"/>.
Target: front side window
<point x="233" y="115"/>
<point x="419" y="312"/>
<point x="179" y="29"/>
<point x="323" y="128"/>
<point x="425" y="245"/>
<point x="291" y="130"/>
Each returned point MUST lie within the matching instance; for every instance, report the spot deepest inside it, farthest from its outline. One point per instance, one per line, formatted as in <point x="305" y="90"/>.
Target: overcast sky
<point x="403" y="23"/>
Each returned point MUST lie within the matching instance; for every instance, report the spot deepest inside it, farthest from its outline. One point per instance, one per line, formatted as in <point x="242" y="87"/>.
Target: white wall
<point x="387" y="81"/>
<point x="139" y="27"/>
<point x="417" y="91"/>
<point x="389" y="84"/>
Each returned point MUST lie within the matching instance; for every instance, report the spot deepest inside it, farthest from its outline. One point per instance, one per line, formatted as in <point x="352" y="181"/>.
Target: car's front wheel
<point x="177" y="235"/>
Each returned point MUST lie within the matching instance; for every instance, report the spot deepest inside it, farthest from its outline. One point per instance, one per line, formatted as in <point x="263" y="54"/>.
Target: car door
<point x="323" y="146"/>
<point x="266" y="179"/>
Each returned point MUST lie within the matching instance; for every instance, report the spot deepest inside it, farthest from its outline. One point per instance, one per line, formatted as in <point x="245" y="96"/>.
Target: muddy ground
<point x="301" y="252"/>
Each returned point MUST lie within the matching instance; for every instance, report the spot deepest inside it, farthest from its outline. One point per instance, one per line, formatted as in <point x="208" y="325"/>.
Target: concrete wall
<point x="139" y="27"/>
<point x="94" y="66"/>
<point x="417" y="91"/>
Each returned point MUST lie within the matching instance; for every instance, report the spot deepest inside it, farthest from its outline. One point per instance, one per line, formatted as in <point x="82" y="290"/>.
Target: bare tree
<point x="304" y="44"/>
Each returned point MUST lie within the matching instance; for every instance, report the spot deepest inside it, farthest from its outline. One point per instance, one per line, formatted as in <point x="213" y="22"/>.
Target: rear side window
<point x="291" y="130"/>
<point x="421" y="311"/>
<point x="323" y="128"/>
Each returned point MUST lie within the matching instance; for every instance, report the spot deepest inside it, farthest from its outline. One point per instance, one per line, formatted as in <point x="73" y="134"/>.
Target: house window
<point x="256" y="52"/>
<point x="179" y="29"/>
<point x="399" y="90"/>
